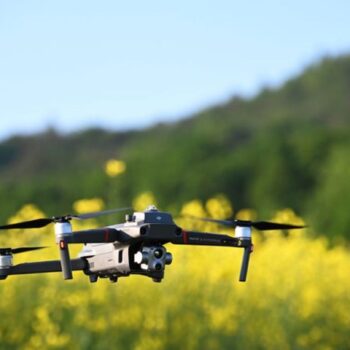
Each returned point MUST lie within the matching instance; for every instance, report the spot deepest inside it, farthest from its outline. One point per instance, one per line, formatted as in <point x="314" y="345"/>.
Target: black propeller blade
<point x="98" y="213"/>
<point x="266" y="225"/>
<point x="38" y="223"/>
<point x="259" y="225"/>
<point x="18" y="250"/>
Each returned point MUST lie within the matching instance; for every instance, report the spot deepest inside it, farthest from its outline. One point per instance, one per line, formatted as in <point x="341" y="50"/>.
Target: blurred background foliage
<point x="287" y="147"/>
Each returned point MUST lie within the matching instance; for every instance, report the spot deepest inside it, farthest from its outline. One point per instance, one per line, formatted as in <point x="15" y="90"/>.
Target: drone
<point x="134" y="247"/>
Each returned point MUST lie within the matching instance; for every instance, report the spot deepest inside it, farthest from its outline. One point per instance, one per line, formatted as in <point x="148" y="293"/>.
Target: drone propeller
<point x="42" y="222"/>
<point x="259" y="225"/>
<point x="18" y="250"/>
<point x="245" y="235"/>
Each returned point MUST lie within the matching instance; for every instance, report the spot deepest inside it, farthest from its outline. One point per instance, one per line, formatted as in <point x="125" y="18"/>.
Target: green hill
<point x="286" y="147"/>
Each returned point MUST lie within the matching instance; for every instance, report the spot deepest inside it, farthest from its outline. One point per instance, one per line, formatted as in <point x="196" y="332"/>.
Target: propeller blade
<point x="229" y="223"/>
<point x="265" y="225"/>
<point x="38" y="223"/>
<point x="259" y="225"/>
<point x="98" y="213"/>
<point x="19" y="250"/>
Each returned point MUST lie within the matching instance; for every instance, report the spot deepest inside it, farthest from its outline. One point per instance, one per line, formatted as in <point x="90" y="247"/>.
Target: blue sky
<point x="76" y="64"/>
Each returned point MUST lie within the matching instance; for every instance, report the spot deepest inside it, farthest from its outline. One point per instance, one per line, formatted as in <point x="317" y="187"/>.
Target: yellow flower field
<point x="297" y="297"/>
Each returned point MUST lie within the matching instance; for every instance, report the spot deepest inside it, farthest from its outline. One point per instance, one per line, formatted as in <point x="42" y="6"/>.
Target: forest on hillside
<point x="286" y="147"/>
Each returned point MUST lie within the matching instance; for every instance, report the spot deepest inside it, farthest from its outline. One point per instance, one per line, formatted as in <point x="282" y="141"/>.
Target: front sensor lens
<point x="158" y="253"/>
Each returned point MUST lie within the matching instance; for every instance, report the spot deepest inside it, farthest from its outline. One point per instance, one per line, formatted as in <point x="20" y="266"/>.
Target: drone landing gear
<point x="113" y="278"/>
<point x="93" y="278"/>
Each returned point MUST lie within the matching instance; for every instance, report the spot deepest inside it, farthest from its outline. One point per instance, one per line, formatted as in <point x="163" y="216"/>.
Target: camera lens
<point x="158" y="253"/>
<point x="158" y="266"/>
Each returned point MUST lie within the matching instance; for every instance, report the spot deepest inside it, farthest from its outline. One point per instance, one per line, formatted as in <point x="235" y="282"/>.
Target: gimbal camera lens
<point x="158" y="266"/>
<point x="158" y="253"/>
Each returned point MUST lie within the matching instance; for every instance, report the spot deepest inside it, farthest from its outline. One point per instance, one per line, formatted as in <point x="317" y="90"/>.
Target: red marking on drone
<point x="185" y="237"/>
<point x="106" y="235"/>
<point x="62" y="244"/>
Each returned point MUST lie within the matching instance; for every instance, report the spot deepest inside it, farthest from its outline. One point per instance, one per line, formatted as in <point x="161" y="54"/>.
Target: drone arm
<point x="208" y="239"/>
<point x="212" y="239"/>
<point x="45" y="266"/>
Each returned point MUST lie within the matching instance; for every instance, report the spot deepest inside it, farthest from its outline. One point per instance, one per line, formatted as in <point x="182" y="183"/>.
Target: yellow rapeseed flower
<point x="88" y="205"/>
<point x="142" y="201"/>
<point x="219" y="207"/>
<point x="115" y="167"/>
<point x="194" y="207"/>
<point x="246" y="214"/>
<point x="27" y="212"/>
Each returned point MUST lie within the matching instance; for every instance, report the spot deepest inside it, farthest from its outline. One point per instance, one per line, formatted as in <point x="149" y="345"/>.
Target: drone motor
<point x="6" y="261"/>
